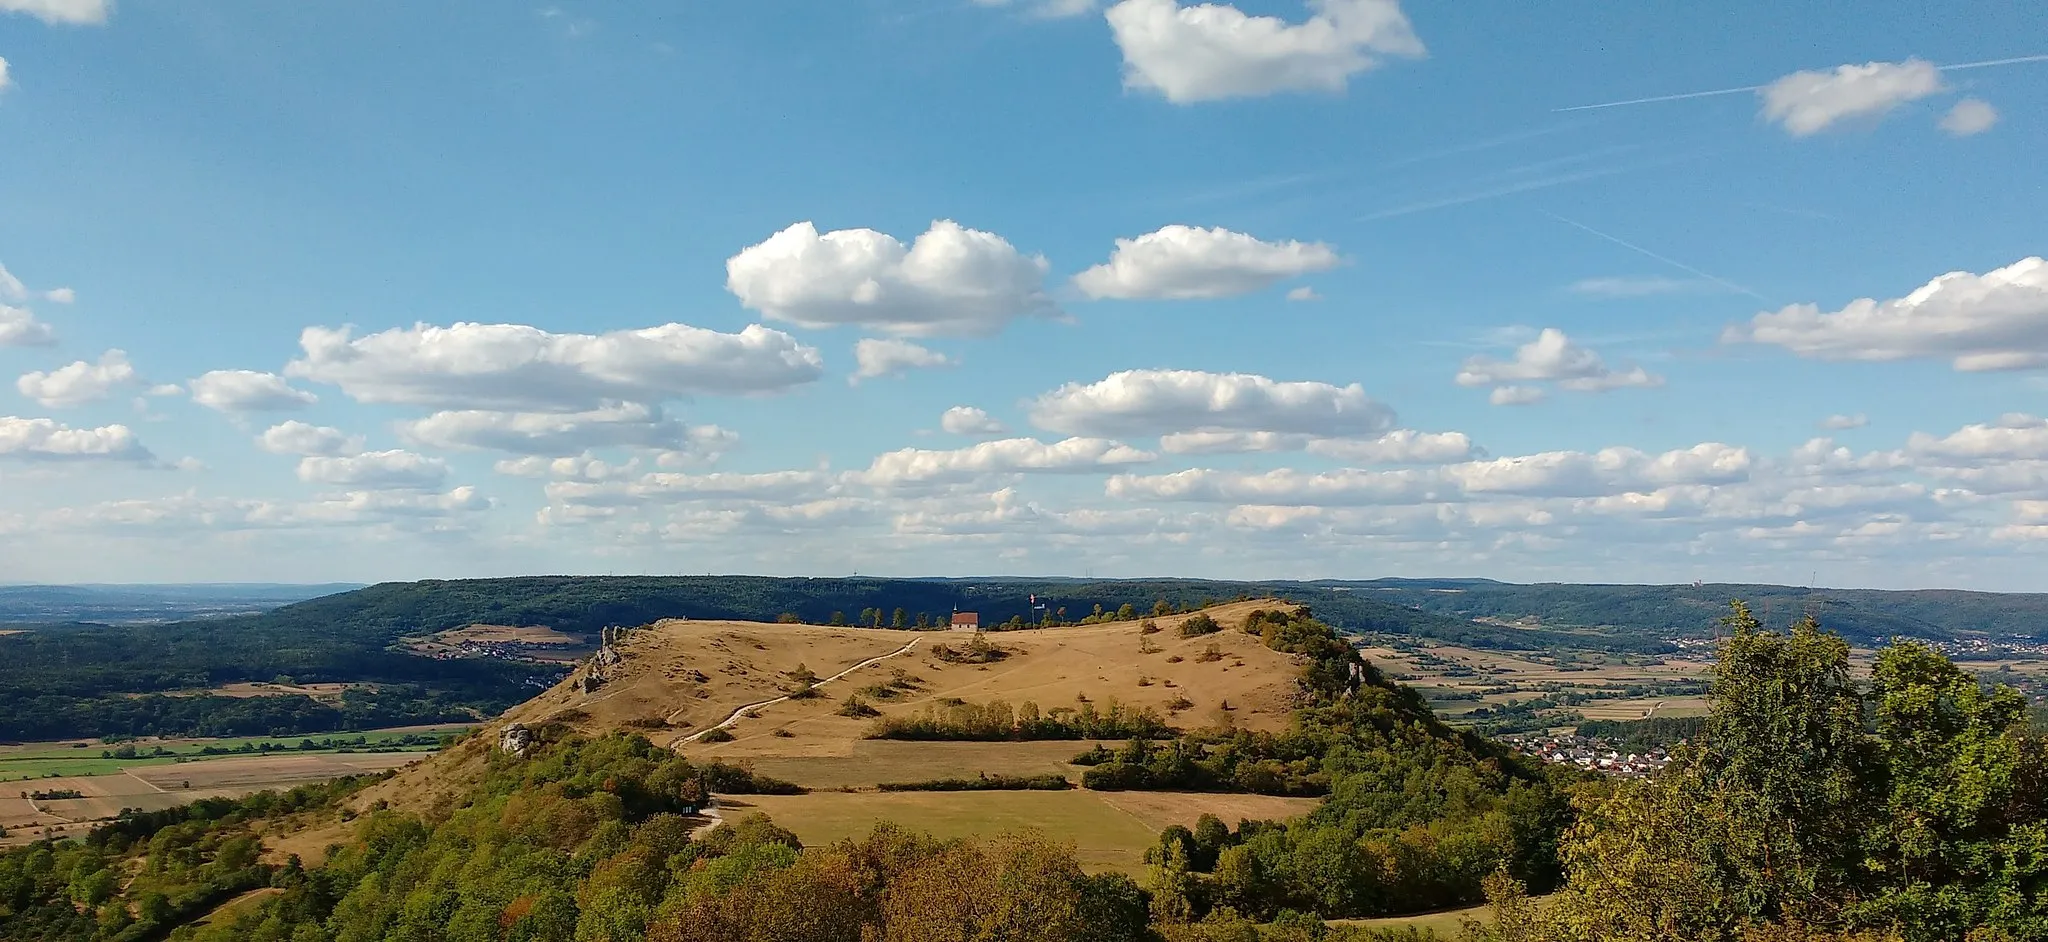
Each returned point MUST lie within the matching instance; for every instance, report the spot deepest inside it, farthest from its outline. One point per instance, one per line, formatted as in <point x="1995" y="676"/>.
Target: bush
<point x="1094" y="756"/>
<point x="976" y="651"/>
<point x="1198" y="625"/>
<point x="857" y="708"/>
<point x="721" y="734"/>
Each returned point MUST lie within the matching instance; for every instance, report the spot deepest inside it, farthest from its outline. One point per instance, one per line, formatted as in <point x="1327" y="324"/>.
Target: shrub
<point x="1197" y="625"/>
<point x="857" y="708"/>
<point x="721" y="734"/>
<point x="1209" y="654"/>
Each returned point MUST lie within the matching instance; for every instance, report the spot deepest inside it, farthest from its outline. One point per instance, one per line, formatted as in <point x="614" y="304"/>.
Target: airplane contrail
<point x="1723" y="282"/>
<point x="1987" y="63"/>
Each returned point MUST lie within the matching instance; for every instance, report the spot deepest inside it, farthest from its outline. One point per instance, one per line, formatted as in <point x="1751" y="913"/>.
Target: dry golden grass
<point x="681" y="677"/>
<point x="1053" y="667"/>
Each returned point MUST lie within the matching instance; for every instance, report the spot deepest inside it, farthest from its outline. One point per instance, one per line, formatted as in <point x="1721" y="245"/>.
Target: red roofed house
<point x="966" y="621"/>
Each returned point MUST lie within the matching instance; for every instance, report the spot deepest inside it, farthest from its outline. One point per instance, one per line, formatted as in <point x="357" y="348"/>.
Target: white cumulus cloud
<point x="619" y="425"/>
<point x="2016" y="437"/>
<point x="307" y="440"/>
<point x="1213" y="51"/>
<point x="1809" y="102"/>
<point x="951" y="280"/>
<point x="514" y="367"/>
<point x="19" y="328"/>
<point x="68" y="12"/>
<point x="1969" y="116"/>
<point x="1401" y="446"/>
<point x="48" y="440"/>
<point x="1845" y="422"/>
<point x="80" y="383"/>
<point x="874" y="359"/>
<point x="968" y="420"/>
<point x="1994" y="321"/>
<point x="1162" y="402"/>
<point x="1516" y="395"/>
<point x="1004" y="456"/>
<point x="583" y="467"/>
<point x="1186" y="262"/>
<point x="375" y="470"/>
<point x="1551" y="358"/>
<point x="6" y="79"/>
<point x="248" y="391"/>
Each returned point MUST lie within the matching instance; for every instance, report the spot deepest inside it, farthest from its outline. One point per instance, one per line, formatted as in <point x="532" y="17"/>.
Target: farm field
<point x="1468" y="686"/>
<point x="870" y="762"/>
<point x="1110" y="830"/>
<point x="106" y="786"/>
<point x="35" y="761"/>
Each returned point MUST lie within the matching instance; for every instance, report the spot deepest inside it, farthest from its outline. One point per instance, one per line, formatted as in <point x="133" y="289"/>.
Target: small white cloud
<point x="621" y="425"/>
<point x="307" y="440"/>
<point x="1979" y="323"/>
<point x="19" y="328"/>
<point x="376" y="470"/>
<point x="1046" y="9"/>
<point x="1303" y="293"/>
<point x="951" y="281"/>
<point x="1161" y="402"/>
<point x="1552" y="358"/>
<point x="878" y="358"/>
<point x="1215" y="51"/>
<point x="47" y="440"/>
<point x="515" y="367"/>
<point x="66" y="12"/>
<point x="248" y="391"/>
<point x="1183" y="262"/>
<point x="1004" y="456"/>
<point x="1401" y="446"/>
<point x="60" y="295"/>
<point x="1845" y="422"/>
<point x="1969" y="116"/>
<point x="968" y="420"/>
<point x="166" y="389"/>
<point x="1638" y="286"/>
<point x="1516" y="395"/>
<point x="583" y="467"/>
<point x="80" y="383"/>
<point x="6" y="79"/>
<point x="1806" y="103"/>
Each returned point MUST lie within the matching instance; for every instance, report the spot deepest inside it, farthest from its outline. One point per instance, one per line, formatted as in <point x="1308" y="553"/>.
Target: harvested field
<point x="1162" y="810"/>
<point x="259" y="772"/>
<point x="869" y="762"/>
<point x="507" y="634"/>
<point x="155" y="787"/>
<point x="264" y="689"/>
<point x="1105" y="838"/>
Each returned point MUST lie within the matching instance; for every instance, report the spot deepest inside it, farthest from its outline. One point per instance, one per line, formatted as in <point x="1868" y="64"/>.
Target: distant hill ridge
<point x="1862" y="615"/>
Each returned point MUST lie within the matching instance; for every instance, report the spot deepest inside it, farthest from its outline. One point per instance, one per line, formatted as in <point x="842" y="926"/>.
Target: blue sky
<point x="1346" y="288"/>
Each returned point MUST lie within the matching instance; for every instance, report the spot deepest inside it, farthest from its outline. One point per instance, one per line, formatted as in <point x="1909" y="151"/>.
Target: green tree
<point x="901" y="619"/>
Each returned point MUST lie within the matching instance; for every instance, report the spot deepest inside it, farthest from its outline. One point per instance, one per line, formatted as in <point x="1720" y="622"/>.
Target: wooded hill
<point x="1863" y="616"/>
